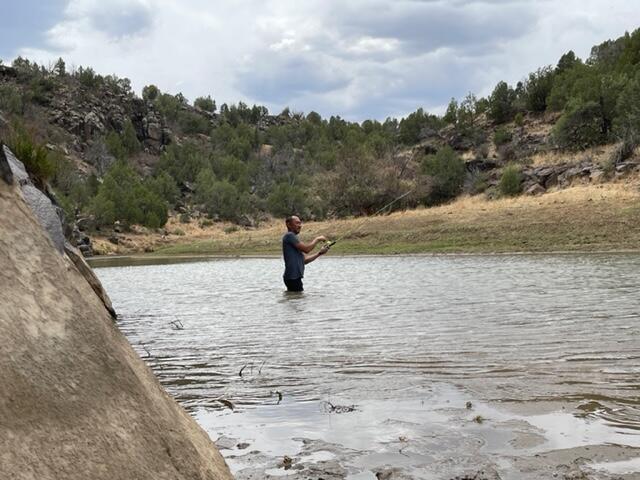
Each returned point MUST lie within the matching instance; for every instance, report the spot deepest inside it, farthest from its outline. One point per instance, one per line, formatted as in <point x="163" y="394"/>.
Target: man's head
<point x="294" y="224"/>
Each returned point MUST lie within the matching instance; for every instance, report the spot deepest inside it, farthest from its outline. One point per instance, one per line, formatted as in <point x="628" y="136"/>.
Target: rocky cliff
<point x="76" y="400"/>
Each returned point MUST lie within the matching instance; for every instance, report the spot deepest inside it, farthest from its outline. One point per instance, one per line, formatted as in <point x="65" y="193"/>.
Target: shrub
<point x="231" y="169"/>
<point x="285" y="199"/>
<point x="451" y="115"/>
<point x="537" y="89"/>
<point x="220" y="198"/>
<point x="519" y="119"/>
<point x="183" y="162"/>
<point x="11" y="100"/>
<point x="479" y="182"/>
<point x="314" y="117"/>
<point x="501" y="103"/>
<point x="483" y="151"/>
<point x="510" y="181"/>
<point x="164" y="186"/>
<point x="40" y="90"/>
<point x="130" y="138"/>
<point x="88" y="77"/>
<point x="99" y="156"/>
<point x="447" y="171"/>
<point x="36" y="158"/>
<point x="205" y="103"/>
<point x="628" y="107"/>
<point x="68" y="207"/>
<point x="567" y="61"/>
<point x="150" y="92"/>
<point x="580" y="127"/>
<point x="113" y="142"/>
<point x="192" y="123"/>
<point x="122" y="196"/>
<point x="625" y="149"/>
<point x="577" y="81"/>
<point x="72" y="190"/>
<point x="168" y="105"/>
<point x="60" y="68"/>
<point x="414" y="123"/>
<point x="506" y="153"/>
<point x="502" y="136"/>
<point x="468" y="112"/>
<point x="122" y="145"/>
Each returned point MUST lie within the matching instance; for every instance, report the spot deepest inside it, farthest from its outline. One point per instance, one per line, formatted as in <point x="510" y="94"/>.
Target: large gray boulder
<point x="76" y="401"/>
<point x="46" y="212"/>
<point x="6" y="173"/>
<point x="48" y="215"/>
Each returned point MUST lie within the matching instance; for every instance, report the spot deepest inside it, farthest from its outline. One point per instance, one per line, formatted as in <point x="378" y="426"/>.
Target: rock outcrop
<point x="47" y="214"/>
<point x="76" y="400"/>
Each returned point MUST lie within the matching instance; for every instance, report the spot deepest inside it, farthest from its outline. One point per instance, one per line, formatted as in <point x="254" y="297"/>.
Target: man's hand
<point x="321" y="238"/>
<point x="323" y="250"/>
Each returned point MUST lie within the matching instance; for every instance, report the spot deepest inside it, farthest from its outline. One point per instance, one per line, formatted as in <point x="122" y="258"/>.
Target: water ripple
<point x="516" y="328"/>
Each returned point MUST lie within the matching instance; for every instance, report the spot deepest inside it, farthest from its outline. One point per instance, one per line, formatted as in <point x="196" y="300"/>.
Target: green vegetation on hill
<point x="236" y="162"/>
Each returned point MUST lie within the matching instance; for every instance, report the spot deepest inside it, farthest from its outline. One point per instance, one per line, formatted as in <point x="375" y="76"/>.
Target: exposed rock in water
<point x="392" y="474"/>
<point x="76" y="400"/>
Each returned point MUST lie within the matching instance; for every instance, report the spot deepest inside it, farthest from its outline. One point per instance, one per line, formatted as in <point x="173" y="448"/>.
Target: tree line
<point x="232" y="164"/>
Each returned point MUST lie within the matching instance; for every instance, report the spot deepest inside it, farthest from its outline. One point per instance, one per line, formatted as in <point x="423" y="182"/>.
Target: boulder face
<point x="76" y="400"/>
<point x="46" y="213"/>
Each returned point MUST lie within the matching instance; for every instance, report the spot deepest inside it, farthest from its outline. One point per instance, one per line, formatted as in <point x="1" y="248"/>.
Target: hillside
<point x="117" y="163"/>
<point x="582" y="218"/>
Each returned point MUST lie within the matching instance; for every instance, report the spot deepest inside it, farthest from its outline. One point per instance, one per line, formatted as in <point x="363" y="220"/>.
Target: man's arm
<point x="311" y="258"/>
<point x="308" y="247"/>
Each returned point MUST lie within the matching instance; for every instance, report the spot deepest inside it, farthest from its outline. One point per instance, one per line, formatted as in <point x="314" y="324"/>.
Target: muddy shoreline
<point x="159" y="259"/>
<point x="498" y="443"/>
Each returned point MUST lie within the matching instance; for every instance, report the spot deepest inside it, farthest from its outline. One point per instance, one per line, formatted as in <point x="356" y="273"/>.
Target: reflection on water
<point x="514" y="329"/>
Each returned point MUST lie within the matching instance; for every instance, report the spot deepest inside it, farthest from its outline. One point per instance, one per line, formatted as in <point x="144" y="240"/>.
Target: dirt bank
<point x="600" y="217"/>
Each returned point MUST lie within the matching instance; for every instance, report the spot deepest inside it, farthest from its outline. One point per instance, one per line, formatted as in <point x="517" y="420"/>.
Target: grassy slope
<point x="582" y="218"/>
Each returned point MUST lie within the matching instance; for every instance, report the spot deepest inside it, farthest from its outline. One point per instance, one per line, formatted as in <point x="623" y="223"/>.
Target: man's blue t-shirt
<point x="293" y="258"/>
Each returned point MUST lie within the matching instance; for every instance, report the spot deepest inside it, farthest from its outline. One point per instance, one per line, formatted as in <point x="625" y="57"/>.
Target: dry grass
<point x="598" y="154"/>
<point x="141" y="239"/>
<point x="582" y="218"/>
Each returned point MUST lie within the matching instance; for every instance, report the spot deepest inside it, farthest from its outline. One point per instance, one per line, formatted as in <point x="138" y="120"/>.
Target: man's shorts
<point x="293" y="285"/>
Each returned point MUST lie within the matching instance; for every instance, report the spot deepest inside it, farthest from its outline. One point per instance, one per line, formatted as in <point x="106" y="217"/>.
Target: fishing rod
<point x="369" y="217"/>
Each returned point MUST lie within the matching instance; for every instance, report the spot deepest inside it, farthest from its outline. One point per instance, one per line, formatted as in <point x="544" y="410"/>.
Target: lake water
<point x="434" y="365"/>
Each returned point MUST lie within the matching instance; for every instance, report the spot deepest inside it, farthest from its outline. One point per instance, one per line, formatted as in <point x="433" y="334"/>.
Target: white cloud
<point x="357" y="59"/>
<point x="368" y="45"/>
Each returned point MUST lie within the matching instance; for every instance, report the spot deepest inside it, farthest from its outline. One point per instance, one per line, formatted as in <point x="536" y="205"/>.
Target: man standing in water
<point x="296" y="254"/>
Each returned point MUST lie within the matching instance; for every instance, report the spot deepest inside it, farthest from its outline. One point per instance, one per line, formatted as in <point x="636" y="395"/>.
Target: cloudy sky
<point x="355" y="58"/>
